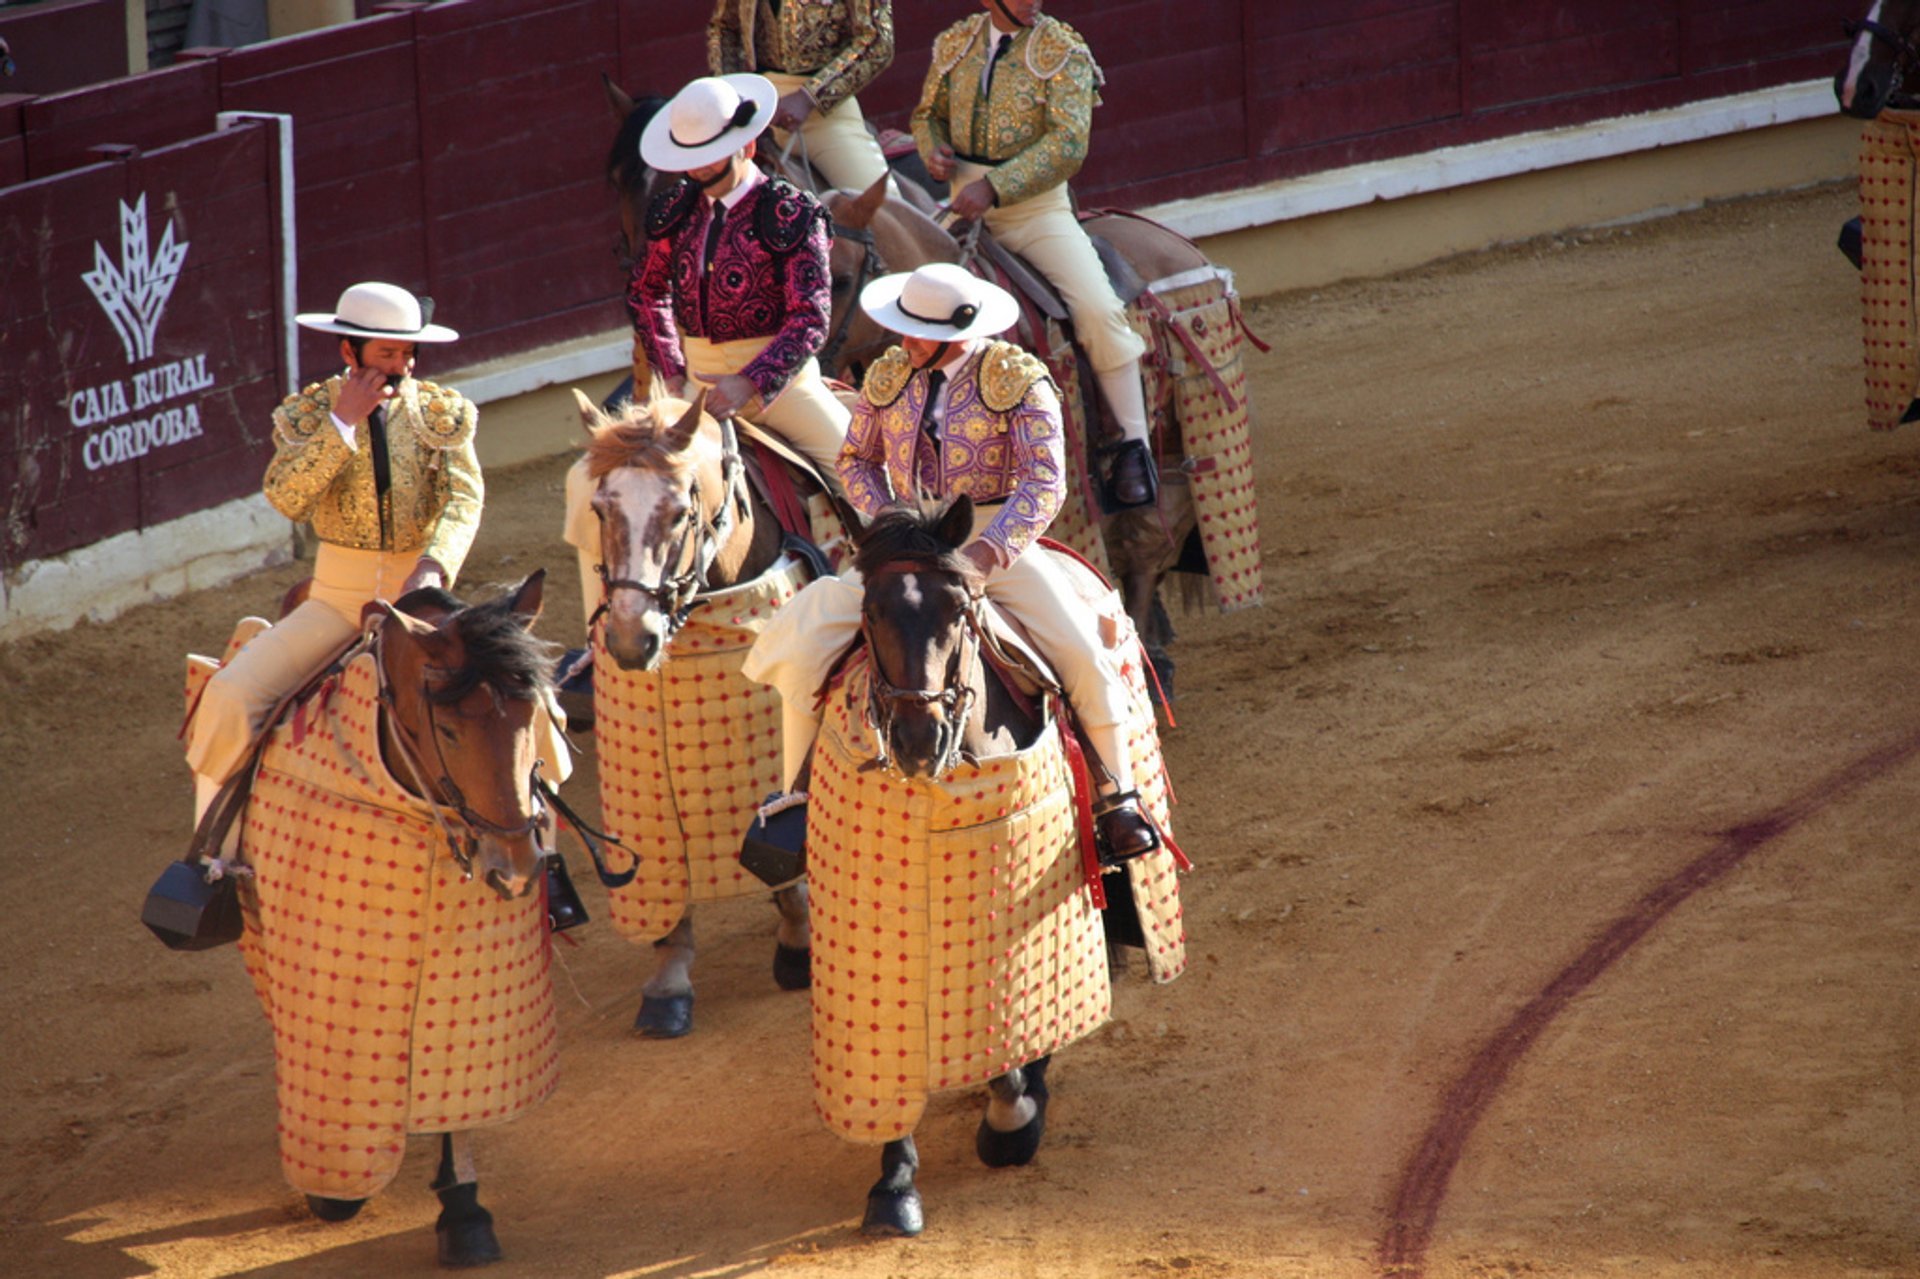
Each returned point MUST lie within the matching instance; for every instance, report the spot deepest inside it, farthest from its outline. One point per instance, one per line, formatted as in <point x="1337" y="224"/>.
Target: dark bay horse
<point x="922" y="753"/>
<point x="394" y="831"/>
<point x="689" y="558"/>
<point x="1881" y="61"/>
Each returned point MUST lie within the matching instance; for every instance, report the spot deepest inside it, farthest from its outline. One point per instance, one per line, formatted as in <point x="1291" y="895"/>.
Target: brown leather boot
<point x="1122" y="832"/>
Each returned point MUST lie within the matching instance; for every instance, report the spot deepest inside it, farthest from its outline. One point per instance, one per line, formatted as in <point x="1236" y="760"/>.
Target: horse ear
<point x="859" y="213"/>
<point x="590" y="415"/>
<point x="681" y="433"/>
<point x="956" y="525"/>
<point x="619" y="99"/>
<point x="527" y="599"/>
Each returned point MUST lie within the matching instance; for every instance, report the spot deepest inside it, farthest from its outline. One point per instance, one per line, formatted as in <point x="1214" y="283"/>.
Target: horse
<point x="394" y="834"/>
<point x="1881" y="60"/>
<point x="687" y="558"/>
<point x="949" y="853"/>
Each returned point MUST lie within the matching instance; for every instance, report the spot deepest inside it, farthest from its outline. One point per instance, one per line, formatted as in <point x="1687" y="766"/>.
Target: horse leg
<point x="1016" y="1116"/>
<point x="893" y="1205"/>
<point x="793" y="942"/>
<point x="666" y="1001"/>
<point x="465" y="1229"/>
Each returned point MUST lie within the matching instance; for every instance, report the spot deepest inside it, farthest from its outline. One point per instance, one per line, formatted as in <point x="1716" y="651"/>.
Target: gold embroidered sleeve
<point x="727" y="52"/>
<point x="868" y="52"/>
<point x="452" y="534"/>
<point x="447" y="417"/>
<point x="308" y="453"/>
<point x="930" y="122"/>
<point x="1065" y="102"/>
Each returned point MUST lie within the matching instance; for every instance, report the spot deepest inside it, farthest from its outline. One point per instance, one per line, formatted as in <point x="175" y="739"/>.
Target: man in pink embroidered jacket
<point x="948" y="412"/>
<point x="734" y="291"/>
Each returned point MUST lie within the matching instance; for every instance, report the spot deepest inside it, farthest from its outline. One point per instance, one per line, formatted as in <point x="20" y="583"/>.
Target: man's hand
<point x="940" y="163"/>
<point x="974" y="199"/>
<point x="427" y="572"/>
<point x="982" y="556"/>
<point x="675" y="386"/>
<point x="730" y="395"/>
<point x="361" y="391"/>
<point x="793" y="110"/>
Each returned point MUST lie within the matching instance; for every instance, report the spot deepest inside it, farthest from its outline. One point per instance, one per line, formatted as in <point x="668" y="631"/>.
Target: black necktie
<point x="377" y="441"/>
<point x="713" y="236"/>
<point x="928" y="423"/>
<point x="999" y="52"/>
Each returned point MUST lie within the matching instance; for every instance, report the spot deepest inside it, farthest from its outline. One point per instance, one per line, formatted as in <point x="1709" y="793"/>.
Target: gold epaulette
<point x="887" y="377"/>
<point x="952" y="44"/>
<point x="1007" y="373"/>
<point x="1053" y="45"/>
<point x="447" y="417"/>
<point x="303" y="415"/>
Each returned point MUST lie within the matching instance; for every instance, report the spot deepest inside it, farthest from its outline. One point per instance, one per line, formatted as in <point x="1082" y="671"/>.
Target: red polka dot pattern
<point x="1889" y="146"/>
<point x="687" y="753"/>
<point x="402" y="999"/>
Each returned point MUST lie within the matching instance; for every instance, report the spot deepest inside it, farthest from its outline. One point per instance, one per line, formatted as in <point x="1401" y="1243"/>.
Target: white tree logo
<point x="135" y="292"/>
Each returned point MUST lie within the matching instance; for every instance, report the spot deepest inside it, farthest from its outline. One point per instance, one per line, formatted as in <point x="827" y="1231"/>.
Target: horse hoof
<point x="468" y="1243"/>
<point x="893" y="1214"/>
<point x="664" y="1016"/>
<point x="1017" y="1148"/>
<point x="333" y="1209"/>
<point x="792" y="966"/>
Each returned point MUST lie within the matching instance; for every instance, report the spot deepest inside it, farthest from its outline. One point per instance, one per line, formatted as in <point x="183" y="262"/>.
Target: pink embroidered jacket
<point x="768" y="278"/>
<point x="1015" y="454"/>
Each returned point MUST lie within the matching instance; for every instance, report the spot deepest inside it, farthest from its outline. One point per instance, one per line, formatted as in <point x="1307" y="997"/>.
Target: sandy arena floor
<point x="1551" y="916"/>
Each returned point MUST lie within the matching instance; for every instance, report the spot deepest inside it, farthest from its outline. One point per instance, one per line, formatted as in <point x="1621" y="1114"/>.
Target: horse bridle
<point x="677" y="596"/>
<point x="1905" y="56"/>
<point x="445" y="793"/>
<point x="884" y="698"/>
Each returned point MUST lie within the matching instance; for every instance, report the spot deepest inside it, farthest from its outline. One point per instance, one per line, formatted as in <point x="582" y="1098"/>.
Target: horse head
<point x="921" y="615"/>
<point x="1880" y="59"/>
<point x="874" y="233"/>
<point x="459" y="687"/>
<point x="630" y="177"/>
<point x="676" y="519"/>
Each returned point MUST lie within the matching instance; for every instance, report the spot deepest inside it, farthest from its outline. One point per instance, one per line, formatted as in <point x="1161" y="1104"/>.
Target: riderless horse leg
<point x="893" y="1205"/>
<point x="465" y="1229"/>
<point x="666" y="1001"/>
<point x="1009" y="1135"/>
<point x="793" y="941"/>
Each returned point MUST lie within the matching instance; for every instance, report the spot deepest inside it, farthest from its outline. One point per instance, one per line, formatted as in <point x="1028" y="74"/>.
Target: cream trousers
<point x="1044" y="231"/>
<point x="237" y="700"/>
<point x="806" y="413"/>
<point x="798" y="646"/>
<point x="836" y="142"/>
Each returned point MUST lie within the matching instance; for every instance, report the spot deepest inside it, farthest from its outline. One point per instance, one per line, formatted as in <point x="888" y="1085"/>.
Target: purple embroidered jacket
<point x="1018" y="455"/>
<point x="768" y="278"/>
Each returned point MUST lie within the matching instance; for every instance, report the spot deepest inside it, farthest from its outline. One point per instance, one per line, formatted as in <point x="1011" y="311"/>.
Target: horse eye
<point x="447" y="733"/>
<point x="842" y="283"/>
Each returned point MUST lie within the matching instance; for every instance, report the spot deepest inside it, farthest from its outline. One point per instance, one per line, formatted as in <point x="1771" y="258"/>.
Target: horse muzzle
<point x="1871" y="92"/>
<point x="635" y="644"/>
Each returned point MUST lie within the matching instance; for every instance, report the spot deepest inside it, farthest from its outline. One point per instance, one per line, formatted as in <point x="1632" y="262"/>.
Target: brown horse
<point x="688" y="560"/>
<point x="404" y="777"/>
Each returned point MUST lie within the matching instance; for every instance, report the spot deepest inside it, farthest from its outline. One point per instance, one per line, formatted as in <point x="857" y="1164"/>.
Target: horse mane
<point x="626" y="171"/>
<point x="502" y="650"/>
<point x="633" y="439"/>
<point x="909" y="533"/>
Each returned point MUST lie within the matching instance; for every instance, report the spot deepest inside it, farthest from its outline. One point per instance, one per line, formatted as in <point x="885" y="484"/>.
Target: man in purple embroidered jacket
<point x="734" y="290"/>
<point x="947" y="412"/>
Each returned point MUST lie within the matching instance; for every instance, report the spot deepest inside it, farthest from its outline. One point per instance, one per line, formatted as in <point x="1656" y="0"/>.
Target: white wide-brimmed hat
<point x="375" y="310"/>
<point x="941" y="302"/>
<point x="708" y="120"/>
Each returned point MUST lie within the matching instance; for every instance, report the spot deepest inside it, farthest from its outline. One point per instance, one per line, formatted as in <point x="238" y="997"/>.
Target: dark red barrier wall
<point x="97" y="439"/>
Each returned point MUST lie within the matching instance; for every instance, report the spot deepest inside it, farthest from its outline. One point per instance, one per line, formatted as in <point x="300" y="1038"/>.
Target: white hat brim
<point x="326" y="322"/>
<point x="881" y="300"/>
<point x="659" y="150"/>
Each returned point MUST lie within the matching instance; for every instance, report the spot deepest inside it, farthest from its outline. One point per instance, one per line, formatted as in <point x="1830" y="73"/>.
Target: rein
<point x="884" y="698"/>
<point x="445" y="792"/>
<point x="872" y="265"/>
<point x="678" y="595"/>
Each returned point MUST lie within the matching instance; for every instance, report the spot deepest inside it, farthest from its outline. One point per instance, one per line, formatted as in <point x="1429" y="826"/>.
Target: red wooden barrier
<point x="64" y="44"/>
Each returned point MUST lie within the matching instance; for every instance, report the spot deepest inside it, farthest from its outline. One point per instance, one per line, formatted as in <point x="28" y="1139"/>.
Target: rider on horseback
<point x="734" y="289"/>
<point x="1004" y="117"/>
<point x="948" y="412"/>
<point x="817" y="56"/>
